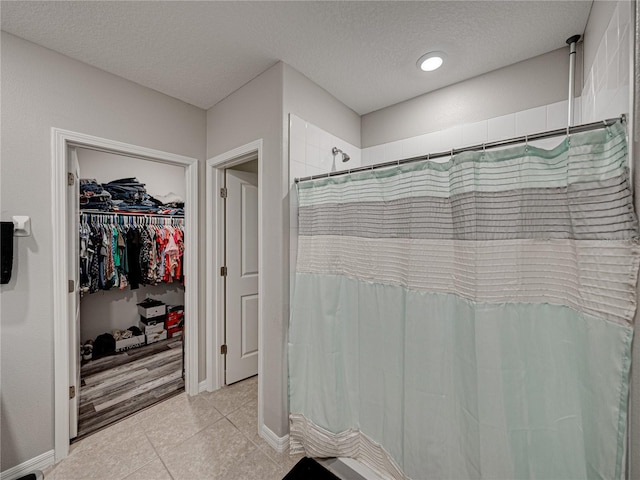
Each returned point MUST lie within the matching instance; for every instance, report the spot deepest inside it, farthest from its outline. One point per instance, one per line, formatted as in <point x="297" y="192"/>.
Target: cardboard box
<point x="151" y="329"/>
<point x="174" y="332"/>
<point x="156" y="337"/>
<point x="151" y="308"/>
<point x="131" y="342"/>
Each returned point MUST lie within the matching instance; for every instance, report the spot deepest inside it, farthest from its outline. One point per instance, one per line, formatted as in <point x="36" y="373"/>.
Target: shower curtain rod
<point x="483" y="146"/>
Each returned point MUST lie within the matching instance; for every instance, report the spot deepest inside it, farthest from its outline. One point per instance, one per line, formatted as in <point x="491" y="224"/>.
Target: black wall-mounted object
<point x="6" y="251"/>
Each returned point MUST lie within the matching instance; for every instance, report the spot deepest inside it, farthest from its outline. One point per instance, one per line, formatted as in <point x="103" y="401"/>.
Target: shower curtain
<point x="469" y="319"/>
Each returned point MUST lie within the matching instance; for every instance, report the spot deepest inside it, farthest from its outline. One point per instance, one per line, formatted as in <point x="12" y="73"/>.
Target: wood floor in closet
<point x="116" y="386"/>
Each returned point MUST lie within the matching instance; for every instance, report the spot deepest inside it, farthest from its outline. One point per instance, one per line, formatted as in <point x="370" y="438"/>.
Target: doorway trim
<point x="60" y="141"/>
<point x="215" y="317"/>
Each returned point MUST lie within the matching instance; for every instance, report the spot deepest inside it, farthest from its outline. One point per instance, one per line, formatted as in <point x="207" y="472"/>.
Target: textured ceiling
<point x="364" y="53"/>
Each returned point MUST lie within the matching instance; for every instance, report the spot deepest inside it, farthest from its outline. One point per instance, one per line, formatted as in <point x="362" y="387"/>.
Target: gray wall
<point x="538" y="81"/>
<point x="42" y="89"/>
<point x="250" y="113"/>
<point x="260" y="109"/>
<point x="312" y="103"/>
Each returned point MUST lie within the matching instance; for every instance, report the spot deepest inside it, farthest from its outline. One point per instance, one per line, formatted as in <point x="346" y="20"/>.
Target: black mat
<point x="309" y="469"/>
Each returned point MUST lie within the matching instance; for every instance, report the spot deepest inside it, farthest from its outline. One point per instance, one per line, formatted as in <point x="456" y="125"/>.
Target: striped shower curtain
<point x="469" y="319"/>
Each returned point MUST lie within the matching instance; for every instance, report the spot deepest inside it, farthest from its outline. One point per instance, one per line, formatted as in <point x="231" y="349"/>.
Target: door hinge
<point x="223" y="349"/>
<point x="72" y="392"/>
<point x="72" y="286"/>
<point x="223" y="271"/>
<point x="223" y="192"/>
<point x="71" y="179"/>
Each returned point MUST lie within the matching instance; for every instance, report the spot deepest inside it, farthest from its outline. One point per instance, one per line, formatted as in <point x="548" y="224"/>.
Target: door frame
<point x="215" y="223"/>
<point x="60" y="141"/>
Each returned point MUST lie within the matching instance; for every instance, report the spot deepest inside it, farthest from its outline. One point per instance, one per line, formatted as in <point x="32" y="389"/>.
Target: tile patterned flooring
<point x="213" y="435"/>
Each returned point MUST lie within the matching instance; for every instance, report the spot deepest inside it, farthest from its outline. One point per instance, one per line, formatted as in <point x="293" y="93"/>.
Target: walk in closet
<point x="131" y="282"/>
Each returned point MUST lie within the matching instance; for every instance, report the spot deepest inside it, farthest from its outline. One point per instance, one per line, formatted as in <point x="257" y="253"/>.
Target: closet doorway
<point x="131" y="253"/>
<point x="66" y="215"/>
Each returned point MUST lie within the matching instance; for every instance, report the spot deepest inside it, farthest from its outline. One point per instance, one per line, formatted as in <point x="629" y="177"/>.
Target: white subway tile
<point x="474" y="133"/>
<point x="296" y="170"/>
<point x="366" y="156"/>
<point x="311" y="170"/>
<point x="326" y="161"/>
<point x="313" y="135"/>
<point x="356" y="159"/>
<point x="376" y="154"/>
<point x="500" y="128"/>
<point x="624" y="14"/>
<point x="601" y="63"/>
<point x="577" y="111"/>
<point x="531" y="121"/>
<point x="624" y="58"/>
<point x="430" y="142"/>
<point x="297" y="149"/>
<point x="412" y="147"/>
<point x="620" y="103"/>
<point x="611" y="35"/>
<point x="604" y="105"/>
<point x="326" y="141"/>
<point x="612" y="72"/>
<point x="312" y="156"/>
<point x="588" y="109"/>
<point x="557" y="114"/>
<point x="450" y="138"/>
<point x="393" y="151"/>
<point x="297" y="126"/>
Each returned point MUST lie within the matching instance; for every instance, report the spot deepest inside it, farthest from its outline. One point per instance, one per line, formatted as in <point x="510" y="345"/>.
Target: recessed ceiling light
<point x="431" y="61"/>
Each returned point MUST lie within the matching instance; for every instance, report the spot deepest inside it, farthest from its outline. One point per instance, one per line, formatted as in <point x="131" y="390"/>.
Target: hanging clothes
<point x="120" y="251"/>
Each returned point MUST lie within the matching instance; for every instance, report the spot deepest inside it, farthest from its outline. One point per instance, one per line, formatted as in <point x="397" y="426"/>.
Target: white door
<point x="242" y="275"/>
<point x="73" y="196"/>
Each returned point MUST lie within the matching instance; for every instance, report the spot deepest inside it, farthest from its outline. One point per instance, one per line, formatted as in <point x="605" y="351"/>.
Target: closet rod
<point x="141" y="214"/>
<point x="483" y="146"/>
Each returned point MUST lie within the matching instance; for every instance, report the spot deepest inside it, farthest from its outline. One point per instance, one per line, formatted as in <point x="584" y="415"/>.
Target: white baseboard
<point x="37" y="463"/>
<point x="202" y="386"/>
<point x="278" y="443"/>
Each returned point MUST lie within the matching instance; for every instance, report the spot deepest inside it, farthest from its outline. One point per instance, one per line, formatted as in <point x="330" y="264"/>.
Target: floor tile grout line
<point x="157" y="454"/>
<point x="260" y="449"/>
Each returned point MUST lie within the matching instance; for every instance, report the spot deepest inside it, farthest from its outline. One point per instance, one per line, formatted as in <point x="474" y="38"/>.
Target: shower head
<point x="336" y="151"/>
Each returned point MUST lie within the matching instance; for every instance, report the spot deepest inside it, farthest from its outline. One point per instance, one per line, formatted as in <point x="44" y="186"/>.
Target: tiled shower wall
<point x="310" y="154"/>
<point x="606" y="83"/>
